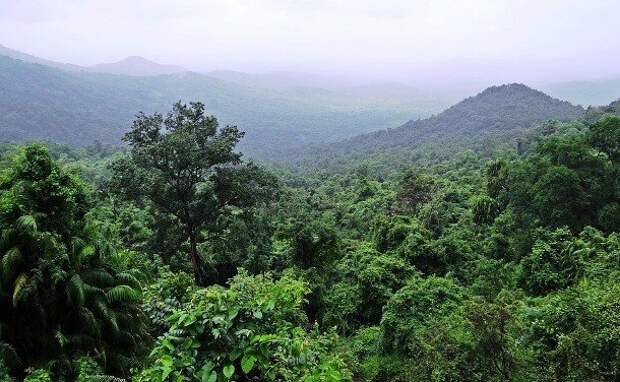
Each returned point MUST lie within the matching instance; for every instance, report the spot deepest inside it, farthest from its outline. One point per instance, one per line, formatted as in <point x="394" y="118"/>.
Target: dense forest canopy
<point x="497" y="115"/>
<point x="175" y="259"/>
<point x="309" y="191"/>
<point x="479" y="244"/>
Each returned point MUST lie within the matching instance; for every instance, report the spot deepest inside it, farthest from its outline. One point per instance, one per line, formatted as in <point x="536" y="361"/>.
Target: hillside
<point x="17" y="55"/>
<point x="136" y="66"/>
<point x="77" y="107"/>
<point x="498" y="113"/>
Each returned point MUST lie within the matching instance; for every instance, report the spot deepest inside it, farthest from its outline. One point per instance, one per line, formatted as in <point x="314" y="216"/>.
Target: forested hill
<point x="497" y="114"/>
<point x="41" y="101"/>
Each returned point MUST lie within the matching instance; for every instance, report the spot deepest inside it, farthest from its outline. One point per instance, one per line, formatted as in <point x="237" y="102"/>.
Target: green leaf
<point x="20" y="282"/>
<point x="212" y="377"/>
<point x="27" y="223"/>
<point x="123" y="294"/>
<point x="166" y="366"/>
<point x="229" y="370"/>
<point x="234" y="354"/>
<point x="207" y="372"/>
<point x="247" y="363"/>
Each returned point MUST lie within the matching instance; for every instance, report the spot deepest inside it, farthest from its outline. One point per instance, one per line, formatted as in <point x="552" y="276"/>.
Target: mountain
<point x="587" y="92"/>
<point x="40" y="101"/>
<point x="17" y="55"/>
<point x="498" y="114"/>
<point x="131" y="66"/>
<point x="136" y="66"/>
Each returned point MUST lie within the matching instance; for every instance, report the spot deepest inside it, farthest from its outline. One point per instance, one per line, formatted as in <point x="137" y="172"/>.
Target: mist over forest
<point x="309" y="191"/>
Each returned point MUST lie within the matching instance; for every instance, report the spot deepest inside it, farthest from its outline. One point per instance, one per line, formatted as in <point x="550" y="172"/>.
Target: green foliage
<point x="575" y="332"/>
<point x="458" y="269"/>
<point x="59" y="296"/>
<point x="184" y="165"/>
<point x="416" y="309"/>
<point x="605" y="135"/>
<point x="249" y="330"/>
<point x="164" y="296"/>
<point x="364" y="281"/>
<point x="38" y="375"/>
<point x="553" y="263"/>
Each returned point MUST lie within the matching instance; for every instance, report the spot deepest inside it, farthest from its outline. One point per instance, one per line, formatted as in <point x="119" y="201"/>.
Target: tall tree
<point x="171" y="164"/>
<point x="59" y="296"/>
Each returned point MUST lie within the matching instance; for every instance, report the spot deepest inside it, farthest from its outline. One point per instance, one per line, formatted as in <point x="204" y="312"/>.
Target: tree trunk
<point x="197" y="265"/>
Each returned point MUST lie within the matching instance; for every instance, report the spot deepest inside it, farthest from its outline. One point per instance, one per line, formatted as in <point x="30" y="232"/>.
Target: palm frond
<point x="98" y="277"/>
<point x="26" y="224"/>
<point x="128" y="279"/>
<point x="20" y="282"/>
<point x="108" y="316"/>
<point x="94" y="293"/>
<point x="123" y="294"/>
<point x="89" y="323"/>
<point x="78" y="251"/>
<point x="11" y="264"/>
<point x="76" y="291"/>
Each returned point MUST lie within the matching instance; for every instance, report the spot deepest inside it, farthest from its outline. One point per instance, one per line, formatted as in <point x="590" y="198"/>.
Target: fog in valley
<point x="458" y="46"/>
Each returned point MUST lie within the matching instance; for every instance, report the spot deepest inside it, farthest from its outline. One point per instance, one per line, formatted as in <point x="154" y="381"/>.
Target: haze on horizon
<point x="422" y="43"/>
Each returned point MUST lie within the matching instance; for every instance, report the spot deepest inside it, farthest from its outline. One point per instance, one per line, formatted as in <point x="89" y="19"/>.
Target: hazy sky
<point x="401" y="39"/>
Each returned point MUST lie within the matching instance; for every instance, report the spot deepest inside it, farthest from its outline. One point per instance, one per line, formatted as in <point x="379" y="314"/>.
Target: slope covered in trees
<point x="177" y="261"/>
<point x="496" y="116"/>
<point x="79" y="107"/>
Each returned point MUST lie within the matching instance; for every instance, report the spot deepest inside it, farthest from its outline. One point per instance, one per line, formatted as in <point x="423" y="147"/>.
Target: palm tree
<point x="59" y="298"/>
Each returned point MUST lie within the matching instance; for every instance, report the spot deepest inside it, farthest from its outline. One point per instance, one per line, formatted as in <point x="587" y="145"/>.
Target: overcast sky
<point x="401" y="39"/>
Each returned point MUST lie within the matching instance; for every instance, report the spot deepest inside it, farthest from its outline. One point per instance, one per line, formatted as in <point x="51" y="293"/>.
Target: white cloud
<point x="337" y="35"/>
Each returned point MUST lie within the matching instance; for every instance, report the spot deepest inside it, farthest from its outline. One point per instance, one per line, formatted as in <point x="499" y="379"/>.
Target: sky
<point x="414" y="41"/>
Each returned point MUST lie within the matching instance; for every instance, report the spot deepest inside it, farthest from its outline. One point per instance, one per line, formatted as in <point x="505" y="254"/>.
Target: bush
<point x="552" y="264"/>
<point x="250" y="330"/>
<point x="366" y="281"/>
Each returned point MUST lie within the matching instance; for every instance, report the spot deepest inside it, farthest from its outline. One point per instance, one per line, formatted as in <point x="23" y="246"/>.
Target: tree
<point x="605" y="136"/>
<point x="249" y="331"/>
<point x="59" y="295"/>
<point x="552" y="264"/>
<point x="172" y="162"/>
<point x="365" y="281"/>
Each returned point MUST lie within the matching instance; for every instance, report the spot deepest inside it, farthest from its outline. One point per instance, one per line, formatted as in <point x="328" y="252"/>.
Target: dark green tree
<point x="605" y="136"/>
<point x="172" y="163"/>
<point x="59" y="296"/>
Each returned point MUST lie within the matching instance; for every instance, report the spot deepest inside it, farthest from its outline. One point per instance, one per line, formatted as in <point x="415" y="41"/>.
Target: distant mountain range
<point x="42" y="99"/>
<point x="11" y="53"/>
<point x="137" y="66"/>
<point x="285" y="115"/>
<point x="131" y="66"/>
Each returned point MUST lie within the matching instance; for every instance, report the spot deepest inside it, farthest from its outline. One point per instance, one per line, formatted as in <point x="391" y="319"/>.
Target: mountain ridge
<point x="136" y="66"/>
<point x="17" y="55"/>
<point x="39" y="101"/>
<point x="498" y="112"/>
